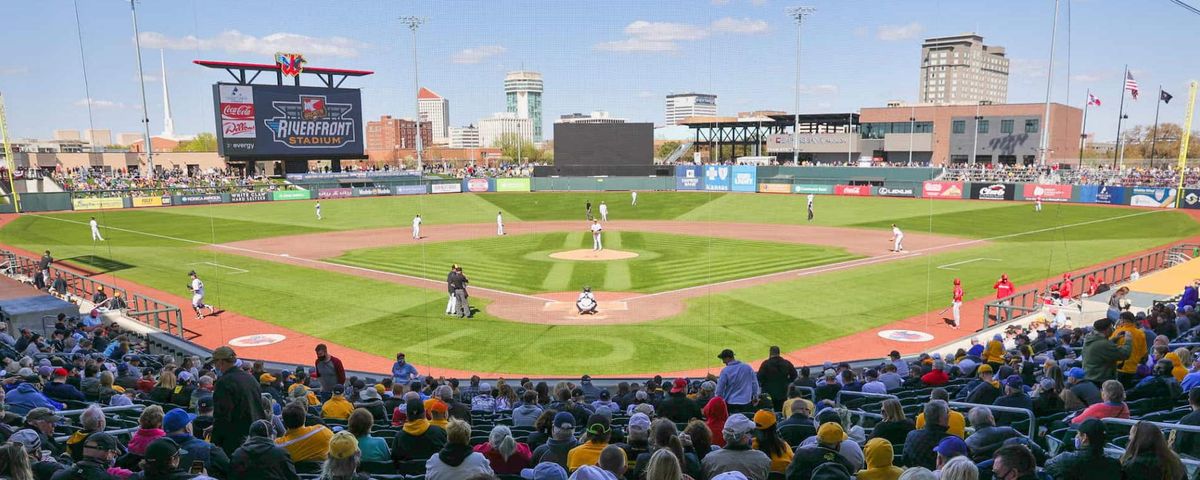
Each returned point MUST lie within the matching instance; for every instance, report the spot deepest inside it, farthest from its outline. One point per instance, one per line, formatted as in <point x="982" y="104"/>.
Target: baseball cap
<point x="738" y="424"/>
<point x="566" y="421"/>
<point x="343" y="445"/>
<point x="485" y="388"/>
<point x="102" y="441"/>
<point x="431" y="405"/>
<point x="894" y="354"/>
<point x="951" y="447"/>
<point x="367" y="394"/>
<point x="1014" y="381"/>
<point x="726" y="353"/>
<point x="639" y="421"/>
<point x="544" y="471"/>
<point x="1094" y="429"/>
<point x="46" y="371"/>
<point x="679" y="386"/>
<point x="42" y="413"/>
<point x="267" y="378"/>
<point x="598" y="425"/>
<point x="414" y="409"/>
<point x="161" y="450"/>
<point x="1076" y="373"/>
<point x="641" y="395"/>
<point x="224" y="353"/>
<point x="27" y="438"/>
<point x="339" y="389"/>
<point x="985" y="368"/>
<point x="205" y="402"/>
<point x="764" y="419"/>
<point x="176" y="419"/>
<point x="831" y="433"/>
<point x="604" y="395"/>
<point x="185" y="376"/>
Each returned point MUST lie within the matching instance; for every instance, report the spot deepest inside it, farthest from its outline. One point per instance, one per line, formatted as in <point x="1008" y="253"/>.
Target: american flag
<point x="1131" y="85"/>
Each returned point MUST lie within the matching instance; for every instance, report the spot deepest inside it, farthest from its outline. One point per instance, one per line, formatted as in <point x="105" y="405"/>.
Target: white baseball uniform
<point x="95" y="230"/>
<point x="634" y="195"/>
<point x="1037" y="204"/>
<point x="499" y="224"/>
<point x="604" y="212"/>
<point x="417" y="227"/>
<point x="596" y="245"/>
<point x="198" y="293"/>
<point x="897" y="239"/>
<point x="318" y="210"/>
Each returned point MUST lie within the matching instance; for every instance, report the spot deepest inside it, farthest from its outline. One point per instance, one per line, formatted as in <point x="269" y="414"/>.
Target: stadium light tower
<point x="137" y="43"/>
<point x="413" y="23"/>
<point x="798" y="13"/>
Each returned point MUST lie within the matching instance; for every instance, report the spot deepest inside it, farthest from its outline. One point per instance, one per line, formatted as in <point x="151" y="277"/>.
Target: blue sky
<point x="622" y="56"/>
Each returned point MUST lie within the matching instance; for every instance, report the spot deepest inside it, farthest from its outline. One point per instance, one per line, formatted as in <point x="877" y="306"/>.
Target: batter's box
<point x="570" y="307"/>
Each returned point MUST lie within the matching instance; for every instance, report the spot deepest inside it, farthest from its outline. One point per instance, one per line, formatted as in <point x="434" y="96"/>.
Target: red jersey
<point x="958" y="293"/>
<point x="1003" y="288"/>
<point x="1065" y="289"/>
<point x="1093" y="284"/>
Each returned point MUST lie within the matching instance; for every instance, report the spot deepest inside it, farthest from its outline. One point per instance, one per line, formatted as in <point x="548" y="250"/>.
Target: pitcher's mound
<point x="586" y="254"/>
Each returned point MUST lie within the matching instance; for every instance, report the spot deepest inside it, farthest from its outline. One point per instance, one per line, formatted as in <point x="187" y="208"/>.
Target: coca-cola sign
<point x="237" y="111"/>
<point x="237" y="128"/>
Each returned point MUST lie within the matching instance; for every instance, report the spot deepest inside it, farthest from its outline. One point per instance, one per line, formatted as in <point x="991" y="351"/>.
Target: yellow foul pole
<point x="1183" y="142"/>
<point x="8" y="157"/>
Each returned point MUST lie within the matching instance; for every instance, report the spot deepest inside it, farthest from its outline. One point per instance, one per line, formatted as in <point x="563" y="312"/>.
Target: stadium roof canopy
<point x="331" y="77"/>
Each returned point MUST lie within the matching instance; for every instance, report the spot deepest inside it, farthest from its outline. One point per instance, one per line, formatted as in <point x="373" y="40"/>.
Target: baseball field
<point x="707" y="270"/>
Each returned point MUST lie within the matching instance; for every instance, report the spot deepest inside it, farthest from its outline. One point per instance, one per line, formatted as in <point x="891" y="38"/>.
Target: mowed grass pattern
<point x="522" y="264"/>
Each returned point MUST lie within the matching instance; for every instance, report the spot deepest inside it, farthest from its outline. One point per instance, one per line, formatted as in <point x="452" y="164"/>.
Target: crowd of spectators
<point x="118" y="183"/>
<point x="1130" y="176"/>
<point x="501" y="170"/>
<point x="987" y="172"/>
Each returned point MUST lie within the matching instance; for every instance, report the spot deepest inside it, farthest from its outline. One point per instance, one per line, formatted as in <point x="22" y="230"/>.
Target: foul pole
<point x="8" y="156"/>
<point x="1183" y="142"/>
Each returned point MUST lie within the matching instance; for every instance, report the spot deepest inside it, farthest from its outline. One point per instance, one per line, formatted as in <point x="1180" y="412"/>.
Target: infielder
<point x="603" y="212"/>
<point x="634" y="195"/>
<point x="588" y="207"/>
<point x="197" y="288"/>
<point x="417" y="227"/>
<point x="1037" y="204"/>
<point x="318" y="210"/>
<point x="956" y="301"/>
<point x="499" y="223"/>
<point x="810" y="207"/>
<point x="897" y="239"/>
<point x="95" y="230"/>
<point x="596" y="228"/>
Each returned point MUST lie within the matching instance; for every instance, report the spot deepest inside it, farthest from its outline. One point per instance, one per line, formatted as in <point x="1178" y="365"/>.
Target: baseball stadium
<point x="965" y="285"/>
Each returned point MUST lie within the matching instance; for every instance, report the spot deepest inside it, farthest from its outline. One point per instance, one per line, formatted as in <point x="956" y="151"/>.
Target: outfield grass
<point x="380" y="317"/>
<point x="521" y="263"/>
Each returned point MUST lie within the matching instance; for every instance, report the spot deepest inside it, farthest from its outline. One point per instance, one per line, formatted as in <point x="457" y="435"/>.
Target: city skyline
<point x="624" y="61"/>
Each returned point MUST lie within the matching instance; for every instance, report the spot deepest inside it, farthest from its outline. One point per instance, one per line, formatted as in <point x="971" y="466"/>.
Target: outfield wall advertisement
<point x="688" y="177"/>
<point x="242" y="197"/>
<point x="204" y="199"/>
<point x="933" y="189"/>
<point x="512" y="185"/>
<point x="476" y="185"/>
<point x="896" y="192"/>
<point x="993" y="191"/>
<point x="97" y="203"/>
<point x="335" y="193"/>
<point x="812" y="188"/>
<point x="717" y="178"/>
<point x="156" y="201"/>
<point x="408" y="189"/>
<point x="1157" y="197"/>
<point x="291" y="195"/>
<point x="371" y="191"/>
<point x="853" y="190"/>
<point x="774" y="188"/>
<point x="446" y="188"/>
<point x="1102" y="194"/>
<point x="1048" y="193"/>
<point x="1191" y="198"/>
<point x="745" y="178"/>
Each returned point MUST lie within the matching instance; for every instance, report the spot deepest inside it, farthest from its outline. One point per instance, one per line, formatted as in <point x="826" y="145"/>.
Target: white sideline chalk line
<point x="964" y="262"/>
<point x="237" y="271"/>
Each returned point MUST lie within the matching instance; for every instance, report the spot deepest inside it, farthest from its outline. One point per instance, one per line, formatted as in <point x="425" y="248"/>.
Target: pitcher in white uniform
<point x="897" y="239"/>
<point x="596" y="228"/>
<point x="417" y="227"/>
<point x="95" y="230"/>
<point x="499" y="223"/>
<point x="603" y="212"/>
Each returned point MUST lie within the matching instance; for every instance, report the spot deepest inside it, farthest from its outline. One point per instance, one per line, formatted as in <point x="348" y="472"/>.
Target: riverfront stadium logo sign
<point x="312" y="122"/>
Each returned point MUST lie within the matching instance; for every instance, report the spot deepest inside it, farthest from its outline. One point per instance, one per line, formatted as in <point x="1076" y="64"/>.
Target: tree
<point x="666" y="149"/>
<point x="204" y="142"/>
<point x="508" y="143"/>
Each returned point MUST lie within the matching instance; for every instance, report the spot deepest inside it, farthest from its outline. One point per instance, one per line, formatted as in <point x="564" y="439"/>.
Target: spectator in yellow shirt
<point x="588" y="453"/>
<point x="304" y="444"/>
<point x="337" y="407"/>
<point x="958" y="423"/>
<point x="1127" y="369"/>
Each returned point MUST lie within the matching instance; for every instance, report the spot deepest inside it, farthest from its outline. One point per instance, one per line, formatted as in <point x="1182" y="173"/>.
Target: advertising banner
<point x="446" y="187"/>
<point x="717" y="178"/>
<point x="812" y="188"/>
<point x="512" y="184"/>
<point x="371" y="191"/>
<point x="1110" y="195"/>
<point x="1191" y="198"/>
<point x="1048" y="193"/>
<point x="476" y="184"/>
<point x="282" y="121"/>
<point x="241" y="197"/>
<point x="1157" y="197"/>
<point x="993" y="191"/>
<point x="139" y="202"/>
<point x="408" y="189"/>
<point x="388" y="175"/>
<point x="745" y="178"/>
<point x="334" y="193"/>
<point x="853" y="190"/>
<point x="896" y="192"/>
<point x="774" y="188"/>
<point x="933" y="189"/>
<point x="687" y="177"/>
<point x="291" y="195"/>
<point x="205" y="199"/>
<point x="97" y="203"/>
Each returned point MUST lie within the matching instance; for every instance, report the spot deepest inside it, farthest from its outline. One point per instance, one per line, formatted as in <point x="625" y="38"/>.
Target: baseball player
<point x="1037" y="203"/>
<point x="197" y="288"/>
<point x="957" y="300"/>
<point x="810" y="207"/>
<point x="451" y="304"/>
<point x="95" y="230"/>
<point x="417" y="227"/>
<point x="500" y="223"/>
<point x="897" y="239"/>
<point x="588" y="206"/>
<point x="634" y="196"/>
<point x="318" y="210"/>
<point x="603" y="212"/>
<point x="596" y="228"/>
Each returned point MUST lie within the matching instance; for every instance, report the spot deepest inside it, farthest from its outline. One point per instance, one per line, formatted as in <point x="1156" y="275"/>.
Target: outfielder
<point x="95" y="230"/>
<point x="596" y="228"/>
<point x="897" y="239"/>
<point x="417" y="227"/>
<point x="197" y="288"/>
<point x="318" y="210"/>
<point x="1037" y="204"/>
<point x="634" y="195"/>
<point x="603" y="212"/>
<point x="499" y="223"/>
<point x="810" y="207"/>
<point x="957" y="299"/>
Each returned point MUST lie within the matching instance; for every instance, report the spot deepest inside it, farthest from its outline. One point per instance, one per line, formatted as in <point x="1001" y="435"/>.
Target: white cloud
<point x="13" y="70"/>
<point x="637" y="45"/>
<point x="477" y="54"/>
<point x="664" y="31"/>
<point x="889" y="33"/>
<point x="101" y="104"/>
<point x="233" y="41"/>
<point x="744" y="26"/>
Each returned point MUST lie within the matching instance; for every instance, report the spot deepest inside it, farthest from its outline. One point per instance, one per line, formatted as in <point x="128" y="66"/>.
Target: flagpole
<point x="1154" y="131"/>
<point x="1083" y="129"/>
<point x="1120" y="116"/>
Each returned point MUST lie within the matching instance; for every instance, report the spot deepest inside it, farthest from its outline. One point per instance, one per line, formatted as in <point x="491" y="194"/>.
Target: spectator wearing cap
<point x="305" y="443"/>
<point x="774" y="375"/>
<point x="42" y="421"/>
<point x="337" y="407"/>
<point x="561" y="441"/>
<point x="946" y="450"/>
<point x="204" y="388"/>
<point x="545" y="471"/>
<point x="238" y="401"/>
<point x="260" y="458"/>
<point x="1087" y="461"/>
<point x="374" y="449"/>
<point x="100" y="450"/>
<point x="59" y="389"/>
<point x="598" y="433"/>
<point x="640" y="397"/>
<point x="716" y="413"/>
<point x="343" y="459"/>
<point x="825" y="449"/>
<point x="32" y="444"/>
<point x="178" y="425"/>
<point x="417" y="440"/>
<point x="484" y="401"/>
<point x="92" y="420"/>
<point x="987" y="437"/>
<point x="767" y="440"/>
<point x="1014" y="397"/>
<point x="637" y="441"/>
<point x="456" y="459"/>
<point x="738" y="454"/>
<point x="1140" y="345"/>
<point x="204" y="417"/>
<point x="985" y="389"/>
<point x="164" y="460"/>
<point x="918" y="445"/>
<point x="149" y="429"/>
<point x="591" y="392"/>
<point x="329" y="369"/>
<point x="439" y="414"/>
<point x="879" y="456"/>
<point x="1101" y="354"/>
<point x="677" y="407"/>
<point x="270" y="385"/>
<point x="828" y="386"/>
<point x="403" y="372"/>
<point x="456" y="408"/>
<point x="1079" y="393"/>
<point x="26" y="397"/>
<point x="737" y="384"/>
